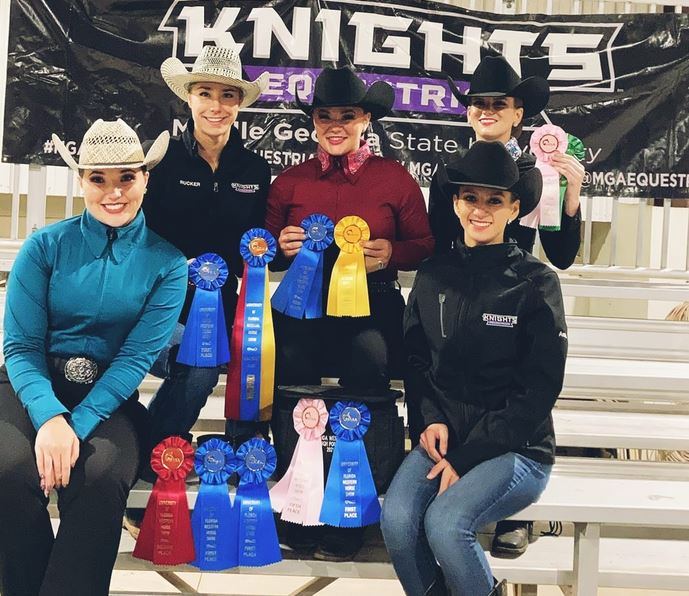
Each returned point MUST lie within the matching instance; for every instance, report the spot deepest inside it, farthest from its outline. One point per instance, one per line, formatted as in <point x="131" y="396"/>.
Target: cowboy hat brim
<point x="179" y="79"/>
<point x="152" y="158"/>
<point x="526" y="185"/>
<point x="533" y="91"/>
<point x="378" y="100"/>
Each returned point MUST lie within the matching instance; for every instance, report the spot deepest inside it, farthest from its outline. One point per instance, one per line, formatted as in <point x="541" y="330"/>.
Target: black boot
<point x="500" y="589"/>
<point x="438" y="587"/>
<point x="511" y="539"/>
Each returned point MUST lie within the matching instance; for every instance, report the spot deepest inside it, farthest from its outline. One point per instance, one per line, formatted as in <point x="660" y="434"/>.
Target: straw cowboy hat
<point x="494" y="77"/>
<point x="340" y="87"/>
<point x="488" y="164"/>
<point x="112" y="144"/>
<point x="214" y="64"/>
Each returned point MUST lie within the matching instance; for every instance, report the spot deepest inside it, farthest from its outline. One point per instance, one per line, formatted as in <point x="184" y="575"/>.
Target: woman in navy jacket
<point x="485" y="330"/>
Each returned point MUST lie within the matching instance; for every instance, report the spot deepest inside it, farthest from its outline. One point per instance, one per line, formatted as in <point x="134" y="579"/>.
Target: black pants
<point x="365" y="352"/>
<point x="79" y="560"/>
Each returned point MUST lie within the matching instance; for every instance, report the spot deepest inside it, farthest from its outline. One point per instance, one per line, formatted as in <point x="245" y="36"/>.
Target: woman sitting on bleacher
<point x="346" y="178"/>
<point x="91" y="301"/>
<point x="485" y="331"/>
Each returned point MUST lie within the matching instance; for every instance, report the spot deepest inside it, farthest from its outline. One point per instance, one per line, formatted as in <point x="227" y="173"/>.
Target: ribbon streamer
<point x="212" y="520"/>
<point x="545" y="141"/>
<point x="205" y="342"/>
<point x="256" y="535"/>
<point x="166" y="536"/>
<point x="348" y="292"/>
<point x="251" y="372"/>
<point x="299" y="294"/>
<point x="350" y="497"/>
<point x="299" y="494"/>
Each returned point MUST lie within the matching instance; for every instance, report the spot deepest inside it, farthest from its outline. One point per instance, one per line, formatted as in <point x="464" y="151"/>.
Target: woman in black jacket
<point x="485" y="330"/>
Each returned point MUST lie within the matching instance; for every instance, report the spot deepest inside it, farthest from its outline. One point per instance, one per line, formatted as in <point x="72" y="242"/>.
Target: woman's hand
<point x="435" y="433"/>
<point x="57" y="450"/>
<point x="570" y="167"/>
<point x="290" y="240"/>
<point x="377" y="254"/>
<point x="448" y="477"/>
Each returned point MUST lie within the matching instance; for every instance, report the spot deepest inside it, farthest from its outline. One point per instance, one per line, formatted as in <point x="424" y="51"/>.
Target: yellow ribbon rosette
<point x="348" y="292"/>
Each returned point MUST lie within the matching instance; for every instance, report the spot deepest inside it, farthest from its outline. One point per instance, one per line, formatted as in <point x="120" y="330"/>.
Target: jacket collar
<point x="487" y="255"/>
<point x="95" y="234"/>
<point x="351" y="163"/>
<point x="229" y="152"/>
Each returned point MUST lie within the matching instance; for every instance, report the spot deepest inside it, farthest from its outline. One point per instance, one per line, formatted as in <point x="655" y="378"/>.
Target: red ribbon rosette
<point x="299" y="494"/>
<point x="166" y="537"/>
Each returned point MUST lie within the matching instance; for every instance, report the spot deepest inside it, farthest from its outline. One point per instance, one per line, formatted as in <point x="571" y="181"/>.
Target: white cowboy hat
<point x="214" y="64"/>
<point x="110" y="144"/>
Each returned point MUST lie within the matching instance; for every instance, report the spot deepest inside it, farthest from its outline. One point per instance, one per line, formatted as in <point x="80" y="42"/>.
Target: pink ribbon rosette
<point x="299" y="494"/>
<point x="545" y="142"/>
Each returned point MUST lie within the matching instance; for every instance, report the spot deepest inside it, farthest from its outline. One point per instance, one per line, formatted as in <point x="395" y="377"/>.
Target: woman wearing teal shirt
<point x="91" y="301"/>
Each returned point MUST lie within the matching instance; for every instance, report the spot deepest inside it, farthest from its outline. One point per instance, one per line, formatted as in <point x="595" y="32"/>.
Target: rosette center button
<point x="172" y="458"/>
<point x="214" y="460"/>
<point x="352" y="233"/>
<point x="350" y="418"/>
<point x="255" y="460"/>
<point x="209" y="271"/>
<point x="317" y="232"/>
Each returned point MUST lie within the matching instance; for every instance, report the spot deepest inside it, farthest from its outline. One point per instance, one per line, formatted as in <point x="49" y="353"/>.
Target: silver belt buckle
<point x="81" y="370"/>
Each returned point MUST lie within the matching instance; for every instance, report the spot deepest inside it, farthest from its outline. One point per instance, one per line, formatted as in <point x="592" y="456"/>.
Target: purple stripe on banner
<point x="412" y="94"/>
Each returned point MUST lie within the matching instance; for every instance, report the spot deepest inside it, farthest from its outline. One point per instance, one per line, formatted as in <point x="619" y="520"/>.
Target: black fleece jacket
<point x="199" y="210"/>
<point x="486" y="336"/>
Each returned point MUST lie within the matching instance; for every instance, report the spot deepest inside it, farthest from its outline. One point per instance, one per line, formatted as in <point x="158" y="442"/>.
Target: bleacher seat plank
<point x="625" y="430"/>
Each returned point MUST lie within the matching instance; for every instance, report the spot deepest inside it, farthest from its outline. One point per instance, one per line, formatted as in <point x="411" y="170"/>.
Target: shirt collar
<point x="487" y="255"/>
<point x="513" y="148"/>
<point x="96" y="235"/>
<point x="351" y="163"/>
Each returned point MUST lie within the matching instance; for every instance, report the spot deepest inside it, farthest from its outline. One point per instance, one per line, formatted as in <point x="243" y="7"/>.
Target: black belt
<point x="76" y="369"/>
<point x="378" y="287"/>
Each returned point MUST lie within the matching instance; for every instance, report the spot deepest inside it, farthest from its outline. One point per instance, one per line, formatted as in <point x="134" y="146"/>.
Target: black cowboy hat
<point x="494" y="77"/>
<point x="489" y="164"/>
<point x="339" y="87"/>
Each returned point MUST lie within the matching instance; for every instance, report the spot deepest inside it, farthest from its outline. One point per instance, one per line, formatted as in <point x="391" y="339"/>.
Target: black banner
<point x="619" y="82"/>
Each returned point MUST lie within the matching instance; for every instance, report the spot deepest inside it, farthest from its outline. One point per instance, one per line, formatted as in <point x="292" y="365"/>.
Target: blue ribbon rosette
<point x="205" y="342"/>
<point x="257" y="537"/>
<point x="299" y="294"/>
<point x="350" y="498"/>
<point x="212" y="520"/>
<point x="251" y="374"/>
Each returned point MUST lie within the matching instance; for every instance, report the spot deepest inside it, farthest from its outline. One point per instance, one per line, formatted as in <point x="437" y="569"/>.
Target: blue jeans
<point x="423" y="530"/>
<point x="176" y="405"/>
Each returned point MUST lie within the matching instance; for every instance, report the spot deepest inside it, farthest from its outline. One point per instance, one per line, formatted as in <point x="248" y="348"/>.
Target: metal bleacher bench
<point x="627" y="522"/>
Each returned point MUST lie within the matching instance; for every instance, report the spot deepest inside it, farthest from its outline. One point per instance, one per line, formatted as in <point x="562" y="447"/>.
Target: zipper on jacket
<point x="215" y="187"/>
<point x="441" y="301"/>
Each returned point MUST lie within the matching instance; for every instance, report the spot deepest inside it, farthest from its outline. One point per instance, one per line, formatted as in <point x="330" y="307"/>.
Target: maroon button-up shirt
<point x="379" y="190"/>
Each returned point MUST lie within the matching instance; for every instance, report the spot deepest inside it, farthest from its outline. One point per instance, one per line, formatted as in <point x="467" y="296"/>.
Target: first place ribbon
<point x="212" y="520"/>
<point x="256" y="537"/>
<point x="299" y="494"/>
<point x="251" y="372"/>
<point x="205" y="342"/>
<point x="545" y="141"/>
<point x="299" y="294"/>
<point x="166" y="537"/>
<point x="350" y="498"/>
<point x="348" y="291"/>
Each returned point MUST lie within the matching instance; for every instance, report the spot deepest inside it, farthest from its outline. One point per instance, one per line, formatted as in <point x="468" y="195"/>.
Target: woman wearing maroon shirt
<point x="345" y="178"/>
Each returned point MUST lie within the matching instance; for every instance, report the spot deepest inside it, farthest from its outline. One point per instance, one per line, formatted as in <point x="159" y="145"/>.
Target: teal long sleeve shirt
<point x="75" y="292"/>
